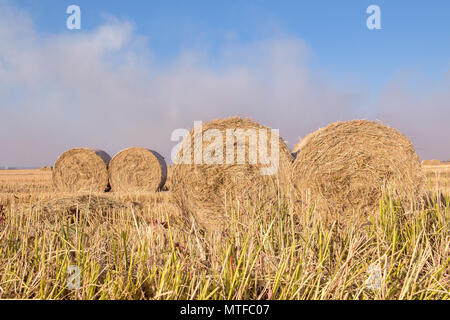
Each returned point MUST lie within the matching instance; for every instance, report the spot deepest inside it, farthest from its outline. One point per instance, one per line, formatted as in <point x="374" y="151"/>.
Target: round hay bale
<point x="81" y="170"/>
<point x="433" y="162"/>
<point x="347" y="165"/>
<point x="208" y="190"/>
<point x="137" y="169"/>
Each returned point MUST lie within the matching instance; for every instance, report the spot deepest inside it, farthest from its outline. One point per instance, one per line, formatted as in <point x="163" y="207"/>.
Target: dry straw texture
<point x="347" y="165"/>
<point x="81" y="170"/>
<point x="208" y="191"/>
<point x="304" y="141"/>
<point x="137" y="169"/>
<point x="76" y="205"/>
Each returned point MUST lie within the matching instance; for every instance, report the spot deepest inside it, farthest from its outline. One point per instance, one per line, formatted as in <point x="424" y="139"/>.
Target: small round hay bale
<point x="81" y="170"/>
<point x="433" y="162"/>
<point x="347" y="165"/>
<point x="137" y="170"/>
<point x="207" y="191"/>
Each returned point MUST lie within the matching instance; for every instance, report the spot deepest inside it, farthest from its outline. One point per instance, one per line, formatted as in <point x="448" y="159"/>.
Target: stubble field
<point x="138" y="246"/>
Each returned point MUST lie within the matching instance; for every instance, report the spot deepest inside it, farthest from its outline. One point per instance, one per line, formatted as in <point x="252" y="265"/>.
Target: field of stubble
<point x="137" y="246"/>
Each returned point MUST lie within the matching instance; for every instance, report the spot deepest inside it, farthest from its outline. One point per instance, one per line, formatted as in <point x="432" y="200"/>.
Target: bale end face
<point x="81" y="170"/>
<point x="137" y="170"/>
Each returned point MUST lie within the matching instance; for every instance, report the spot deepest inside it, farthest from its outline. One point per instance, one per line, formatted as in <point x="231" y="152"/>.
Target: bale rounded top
<point x="347" y="165"/>
<point x="303" y="141"/>
<point x="137" y="169"/>
<point x="214" y="176"/>
<point x="81" y="170"/>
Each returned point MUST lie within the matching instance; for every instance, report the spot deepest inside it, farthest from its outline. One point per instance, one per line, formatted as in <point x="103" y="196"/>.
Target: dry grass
<point x="438" y="177"/>
<point x="136" y="246"/>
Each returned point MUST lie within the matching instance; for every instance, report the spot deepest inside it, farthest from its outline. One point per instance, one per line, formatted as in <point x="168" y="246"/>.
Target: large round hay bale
<point x="81" y="170"/>
<point x="433" y="162"/>
<point x="137" y="169"/>
<point x="347" y="166"/>
<point x="206" y="190"/>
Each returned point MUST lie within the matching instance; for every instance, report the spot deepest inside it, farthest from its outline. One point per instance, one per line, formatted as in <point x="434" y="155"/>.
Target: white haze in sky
<point x="104" y="89"/>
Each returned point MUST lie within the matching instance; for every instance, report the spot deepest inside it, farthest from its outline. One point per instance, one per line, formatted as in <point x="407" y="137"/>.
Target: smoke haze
<point x="104" y="89"/>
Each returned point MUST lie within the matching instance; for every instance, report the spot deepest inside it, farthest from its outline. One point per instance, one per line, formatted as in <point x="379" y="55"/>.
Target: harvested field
<point x="25" y="181"/>
<point x="438" y="177"/>
<point x="137" y="246"/>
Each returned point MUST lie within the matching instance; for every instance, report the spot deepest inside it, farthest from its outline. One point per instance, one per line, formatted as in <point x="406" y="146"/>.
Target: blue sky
<point x="313" y="62"/>
<point x="414" y="35"/>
